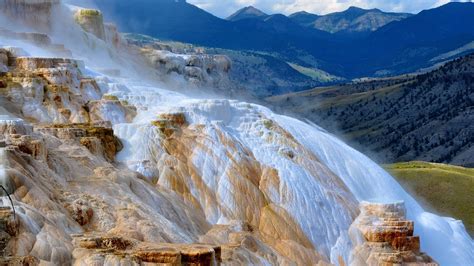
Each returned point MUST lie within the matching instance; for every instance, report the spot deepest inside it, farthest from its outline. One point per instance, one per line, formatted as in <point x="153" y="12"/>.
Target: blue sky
<point x="223" y="8"/>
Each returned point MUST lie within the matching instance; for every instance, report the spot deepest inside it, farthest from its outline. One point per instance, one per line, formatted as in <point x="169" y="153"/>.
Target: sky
<point x="224" y="8"/>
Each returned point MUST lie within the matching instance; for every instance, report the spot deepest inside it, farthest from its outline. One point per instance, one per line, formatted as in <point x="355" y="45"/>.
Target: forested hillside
<point x="413" y="117"/>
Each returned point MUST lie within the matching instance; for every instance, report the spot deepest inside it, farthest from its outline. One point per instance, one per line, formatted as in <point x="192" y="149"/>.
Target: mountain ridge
<point x="378" y="53"/>
<point x="353" y="19"/>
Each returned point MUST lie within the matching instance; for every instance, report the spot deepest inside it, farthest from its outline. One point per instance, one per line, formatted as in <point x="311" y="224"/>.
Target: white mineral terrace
<point x="302" y="193"/>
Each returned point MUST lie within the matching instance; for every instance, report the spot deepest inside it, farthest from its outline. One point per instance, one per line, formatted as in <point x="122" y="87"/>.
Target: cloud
<point x="224" y="8"/>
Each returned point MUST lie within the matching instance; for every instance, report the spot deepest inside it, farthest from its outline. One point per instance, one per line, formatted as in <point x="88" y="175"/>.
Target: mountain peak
<point x="354" y="8"/>
<point x="304" y="18"/>
<point x="247" y="12"/>
<point x="359" y="11"/>
<point x="302" y="13"/>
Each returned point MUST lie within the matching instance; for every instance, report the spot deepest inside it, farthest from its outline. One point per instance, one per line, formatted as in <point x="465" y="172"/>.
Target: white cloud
<point x="224" y="8"/>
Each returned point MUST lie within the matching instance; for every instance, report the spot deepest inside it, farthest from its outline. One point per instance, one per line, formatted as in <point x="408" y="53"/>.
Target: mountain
<point x="410" y="44"/>
<point x="247" y="12"/>
<point x="181" y="21"/>
<point x="425" y="117"/>
<point x="398" y="47"/>
<point x="304" y="18"/>
<point x="353" y="19"/>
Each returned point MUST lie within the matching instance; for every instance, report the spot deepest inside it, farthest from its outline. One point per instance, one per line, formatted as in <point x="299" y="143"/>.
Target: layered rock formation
<point x="382" y="236"/>
<point x="50" y="90"/>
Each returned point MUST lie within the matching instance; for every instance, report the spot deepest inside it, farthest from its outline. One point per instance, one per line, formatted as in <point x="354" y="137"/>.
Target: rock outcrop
<point x="201" y="70"/>
<point x="91" y="21"/>
<point x="382" y="236"/>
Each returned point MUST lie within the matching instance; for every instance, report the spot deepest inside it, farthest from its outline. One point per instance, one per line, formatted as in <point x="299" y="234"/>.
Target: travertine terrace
<point x="107" y="166"/>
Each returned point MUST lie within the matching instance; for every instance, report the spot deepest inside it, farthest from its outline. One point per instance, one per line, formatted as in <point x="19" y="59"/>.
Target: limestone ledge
<point x="31" y="145"/>
<point x="112" y="109"/>
<point x="92" y="21"/>
<point x="35" y="63"/>
<point x="9" y="226"/>
<point x="98" y="139"/>
<point x="123" y="250"/>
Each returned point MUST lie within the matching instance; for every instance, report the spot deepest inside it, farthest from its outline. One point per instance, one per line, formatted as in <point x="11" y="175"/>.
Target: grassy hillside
<point x="316" y="74"/>
<point x="447" y="189"/>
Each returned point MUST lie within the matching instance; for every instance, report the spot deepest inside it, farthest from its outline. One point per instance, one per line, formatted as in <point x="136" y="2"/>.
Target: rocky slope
<point x="112" y="166"/>
<point x="425" y="117"/>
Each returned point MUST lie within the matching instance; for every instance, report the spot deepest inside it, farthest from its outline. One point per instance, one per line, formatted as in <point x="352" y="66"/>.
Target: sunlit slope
<point x="448" y="189"/>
